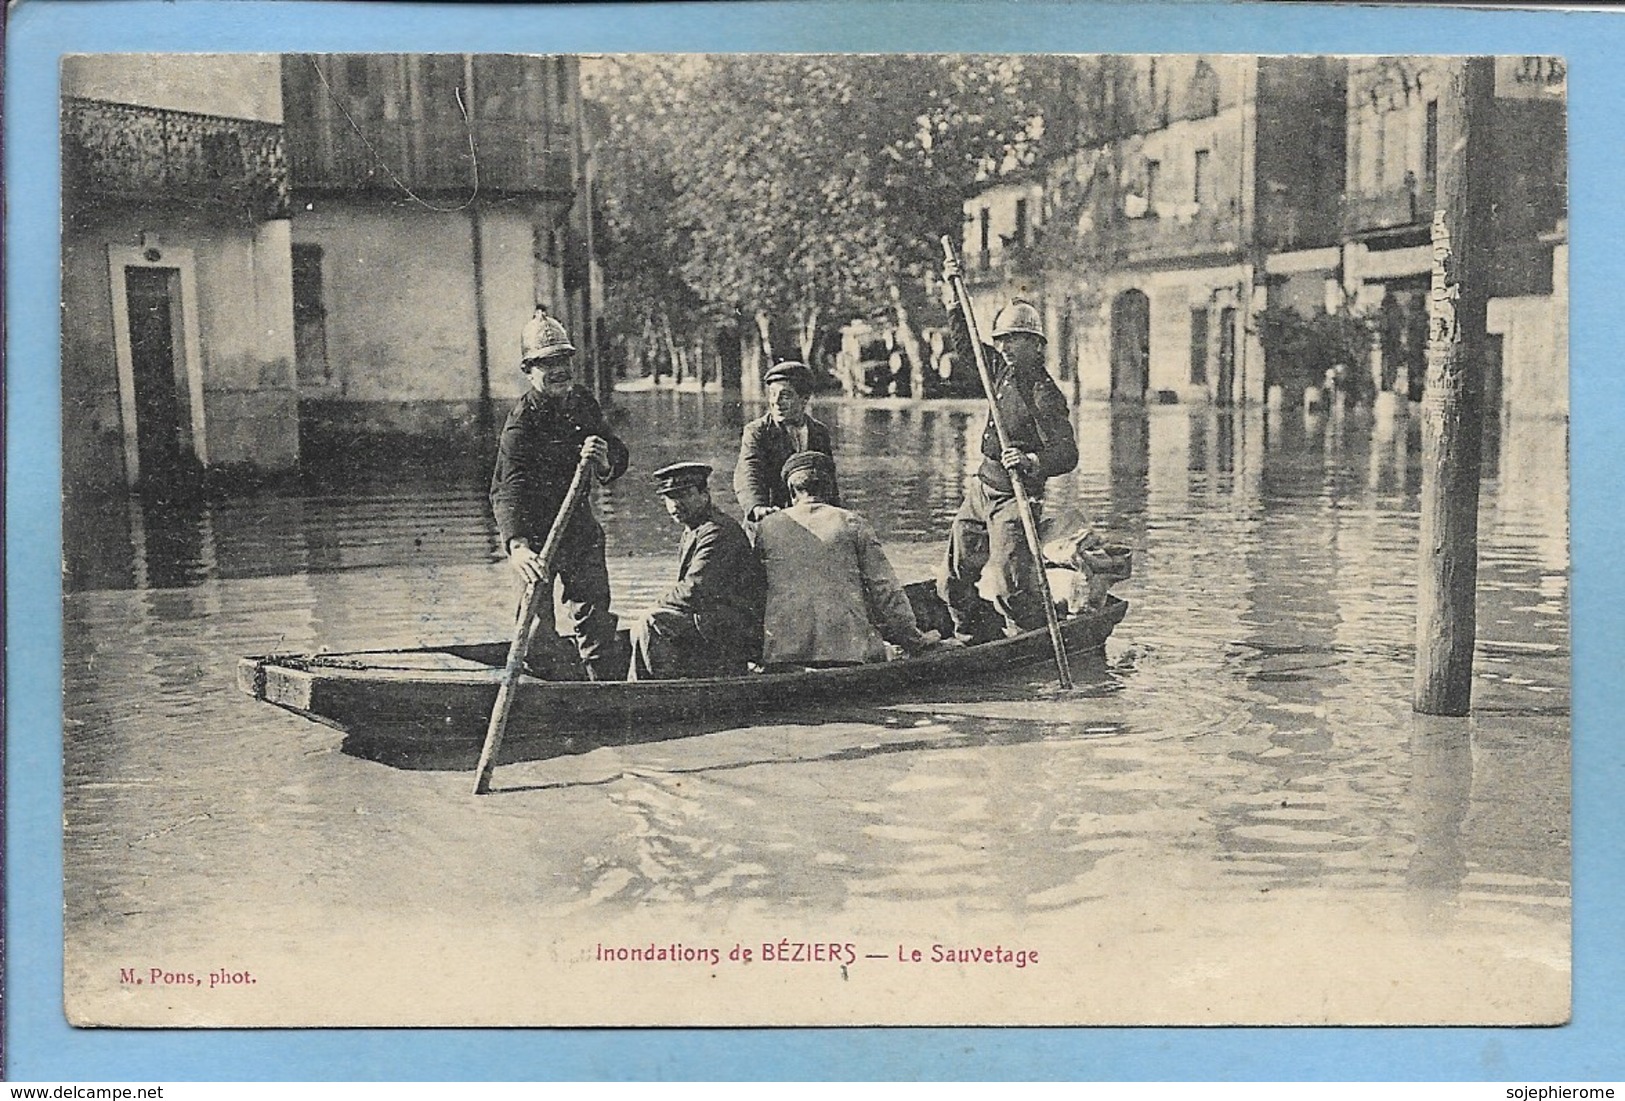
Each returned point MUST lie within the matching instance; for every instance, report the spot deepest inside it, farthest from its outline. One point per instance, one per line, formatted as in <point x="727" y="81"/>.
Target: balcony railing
<point x="125" y="151"/>
<point x="1205" y="233"/>
<point x="1403" y="207"/>
<point x="995" y="266"/>
<point x="432" y="155"/>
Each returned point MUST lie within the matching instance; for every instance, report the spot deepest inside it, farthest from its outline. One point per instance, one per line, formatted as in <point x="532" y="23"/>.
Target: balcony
<point x="1149" y="239"/>
<point x="432" y="155"/>
<point x="1392" y="210"/>
<point x="128" y="152"/>
<point x="1011" y="261"/>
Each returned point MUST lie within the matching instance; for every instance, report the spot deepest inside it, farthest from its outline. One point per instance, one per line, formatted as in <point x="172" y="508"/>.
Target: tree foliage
<point x="802" y="190"/>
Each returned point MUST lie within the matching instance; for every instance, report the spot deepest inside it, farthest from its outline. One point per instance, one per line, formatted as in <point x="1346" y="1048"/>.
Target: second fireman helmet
<point x="1020" y="316"/>
<point x="543" y="336"/>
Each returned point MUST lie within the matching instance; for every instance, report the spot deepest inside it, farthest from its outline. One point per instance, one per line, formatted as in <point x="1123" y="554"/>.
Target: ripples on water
<point x="1250" y="723"/>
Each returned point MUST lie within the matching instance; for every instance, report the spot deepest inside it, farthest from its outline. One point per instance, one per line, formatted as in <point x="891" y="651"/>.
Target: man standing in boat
<point x="769" y="440"/>
<point x="549" y="430"/>
<point x="710" y="623"/>
<point x="832" y="595"/>
<point x="987" y="530"/>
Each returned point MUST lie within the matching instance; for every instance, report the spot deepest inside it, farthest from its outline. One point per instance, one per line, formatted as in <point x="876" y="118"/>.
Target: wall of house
<point x="245" y="331"/>
<point x="1534" y="331"/>
<point x="247" y="86"/>
<point x="401" y="322"/>
<point x="1000" y="202"/>
<point x="1172" y="296"/>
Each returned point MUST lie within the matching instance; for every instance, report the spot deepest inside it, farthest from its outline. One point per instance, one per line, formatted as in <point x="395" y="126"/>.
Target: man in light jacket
<point x="832" y="595"/>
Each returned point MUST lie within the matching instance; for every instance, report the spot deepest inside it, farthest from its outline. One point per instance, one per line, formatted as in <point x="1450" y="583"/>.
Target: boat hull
<point x="445" y="695"/>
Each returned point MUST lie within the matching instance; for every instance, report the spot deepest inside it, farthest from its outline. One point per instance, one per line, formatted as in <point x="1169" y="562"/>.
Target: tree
<point x="797" y="189"/>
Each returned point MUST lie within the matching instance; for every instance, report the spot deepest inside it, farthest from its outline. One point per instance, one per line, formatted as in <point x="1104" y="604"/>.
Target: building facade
<point x="438" y="200"/>
<point x="177" y="334"/>
<point x="1393" y="125"/>
<point x="1227" y="227"/>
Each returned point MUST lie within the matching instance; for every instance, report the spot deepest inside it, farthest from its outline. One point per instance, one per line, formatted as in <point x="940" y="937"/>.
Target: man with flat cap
<point x="832" y="595"/>
<point x="548" y="431"/>
<point x="710" y="623"/>
<point x="772" y="438"/>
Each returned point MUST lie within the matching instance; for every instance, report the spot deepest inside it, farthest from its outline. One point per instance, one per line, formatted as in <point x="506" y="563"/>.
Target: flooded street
<point x="1235" y="818"/>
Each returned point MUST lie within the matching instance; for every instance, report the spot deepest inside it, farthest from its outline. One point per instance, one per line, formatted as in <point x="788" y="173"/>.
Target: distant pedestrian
<point x="549" y="430"/>
<point x="832" y="595"/>
<point x="987" y="531"/>
<point x="710" y="623"/>
<point x="785" y="429"/>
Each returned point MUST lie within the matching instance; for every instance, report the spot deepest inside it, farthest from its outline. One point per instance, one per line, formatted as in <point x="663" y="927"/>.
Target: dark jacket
<point x="720" y="582"/>
<point x="763" y="448"/>
<point x="1035" y="415"/>
<point x="536" y="457"/>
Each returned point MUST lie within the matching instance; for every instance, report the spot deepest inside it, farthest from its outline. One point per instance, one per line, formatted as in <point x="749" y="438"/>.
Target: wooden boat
<point x="443" y="695"/>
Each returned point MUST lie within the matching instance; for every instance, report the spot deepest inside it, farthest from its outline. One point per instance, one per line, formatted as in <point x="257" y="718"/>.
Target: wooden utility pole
<point x="1453" y="397"/>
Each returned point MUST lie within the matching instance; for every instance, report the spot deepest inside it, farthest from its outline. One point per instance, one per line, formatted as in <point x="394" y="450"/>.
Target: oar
<point x="535" y="592"/>
<point x="1024" y="506"/>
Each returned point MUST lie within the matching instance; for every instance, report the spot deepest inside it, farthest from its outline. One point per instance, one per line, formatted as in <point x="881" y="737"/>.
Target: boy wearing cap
<point x="987" y="530"/>
<point x="832" y="595"/>
<point x="549" y="430"/>
<point x="710" y="623"/>
<point x="769" y="440"/>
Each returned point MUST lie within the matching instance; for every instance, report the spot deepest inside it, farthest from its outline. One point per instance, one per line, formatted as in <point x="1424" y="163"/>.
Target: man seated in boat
<point x="710" y="623"/>
<point x="832" y="595"/>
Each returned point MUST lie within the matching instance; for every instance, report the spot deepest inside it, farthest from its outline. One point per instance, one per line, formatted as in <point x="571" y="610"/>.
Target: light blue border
<point x="41" y="1047"/>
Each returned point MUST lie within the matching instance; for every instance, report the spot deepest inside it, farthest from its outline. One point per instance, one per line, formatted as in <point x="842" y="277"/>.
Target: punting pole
<point x="525" y="629"/>
<point x="1024" y="506"/>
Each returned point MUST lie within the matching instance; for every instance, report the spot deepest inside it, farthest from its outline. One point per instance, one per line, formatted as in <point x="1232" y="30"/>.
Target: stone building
<point x="438" y="199"/>
<point x="1209" y="203"/>
<point x="1393" y="126"/>
<point x="177" y="323"/>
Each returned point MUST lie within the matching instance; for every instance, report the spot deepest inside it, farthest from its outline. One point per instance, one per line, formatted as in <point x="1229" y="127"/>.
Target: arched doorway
<point x="1131" y="345"/>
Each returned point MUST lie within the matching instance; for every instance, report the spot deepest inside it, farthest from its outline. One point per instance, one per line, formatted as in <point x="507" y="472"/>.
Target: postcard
<point x="534" y="550"/>
<point x="339" y="328"/>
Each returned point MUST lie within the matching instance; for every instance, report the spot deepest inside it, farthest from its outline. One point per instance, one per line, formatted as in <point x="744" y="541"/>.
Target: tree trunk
<point x="807" y="333"/>
<point x="911" y="344"/>
<point x="672" y="350"/>
<point x="1452" y="402"/>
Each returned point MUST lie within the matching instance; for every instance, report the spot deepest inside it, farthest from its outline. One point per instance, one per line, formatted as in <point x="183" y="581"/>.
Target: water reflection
<point x="1249" y="726"/>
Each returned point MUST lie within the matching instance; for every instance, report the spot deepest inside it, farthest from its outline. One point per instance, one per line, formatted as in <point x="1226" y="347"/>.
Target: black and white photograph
<point x="815" y="539"/>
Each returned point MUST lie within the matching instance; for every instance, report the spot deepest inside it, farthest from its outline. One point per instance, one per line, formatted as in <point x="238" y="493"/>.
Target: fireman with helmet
<point x="549" y="430"/>
<point x="987" y="531"/>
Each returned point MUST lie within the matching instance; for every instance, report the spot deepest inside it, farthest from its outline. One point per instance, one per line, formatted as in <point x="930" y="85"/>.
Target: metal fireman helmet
<point x="542" y="337"/>
<point x="1020" y="316"/>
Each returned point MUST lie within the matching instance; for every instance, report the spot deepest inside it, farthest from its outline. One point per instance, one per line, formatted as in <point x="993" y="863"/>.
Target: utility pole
<point x="1453" y="397"/>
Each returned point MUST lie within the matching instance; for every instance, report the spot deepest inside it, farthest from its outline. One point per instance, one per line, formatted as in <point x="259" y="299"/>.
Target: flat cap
<point x="679" y="476"/>
<point x="796" y="374"/>
<point x="808" y="460"/>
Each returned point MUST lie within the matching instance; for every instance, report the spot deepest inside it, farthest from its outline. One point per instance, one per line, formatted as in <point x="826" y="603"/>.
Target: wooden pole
<point x="1452" y="402"/>
<point x="525" y="629"/>
<point x="1024" y="507"/>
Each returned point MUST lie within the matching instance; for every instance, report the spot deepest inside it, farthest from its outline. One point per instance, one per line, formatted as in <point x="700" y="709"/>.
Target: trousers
<point x="987" y="535"/>
<point x="584" y="582"/>
<point x="667" y="645"/>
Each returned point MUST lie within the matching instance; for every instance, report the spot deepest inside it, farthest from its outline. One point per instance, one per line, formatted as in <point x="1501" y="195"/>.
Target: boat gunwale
<point x="928" y="661"/>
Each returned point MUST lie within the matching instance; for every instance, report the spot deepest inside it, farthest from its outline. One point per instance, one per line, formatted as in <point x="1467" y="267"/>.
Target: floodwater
<point x="1236" y="817"/>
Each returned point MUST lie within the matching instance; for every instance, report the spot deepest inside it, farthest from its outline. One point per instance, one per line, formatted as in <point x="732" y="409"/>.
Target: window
<point x="987" y="234"/>
<point x="1430" y="147"/>
<point x="1199" y="178"/>
<point x="1199" y="347"/>
<point x="1153" y="170"/>
<point x="1021" y="223"/>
